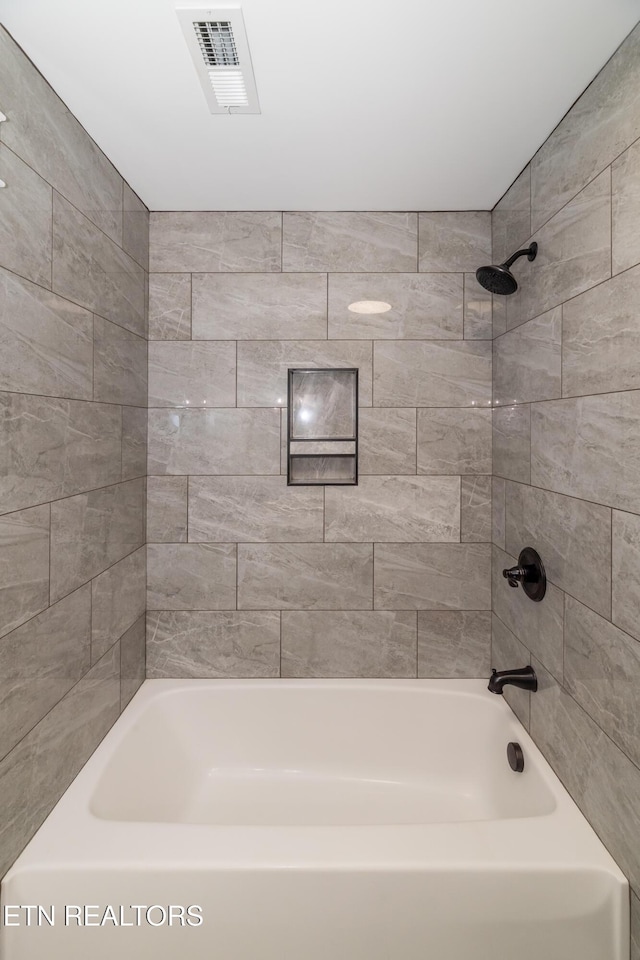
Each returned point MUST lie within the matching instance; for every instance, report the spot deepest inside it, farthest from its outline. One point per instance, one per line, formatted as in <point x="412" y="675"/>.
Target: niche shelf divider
<point x="322" y="426"/>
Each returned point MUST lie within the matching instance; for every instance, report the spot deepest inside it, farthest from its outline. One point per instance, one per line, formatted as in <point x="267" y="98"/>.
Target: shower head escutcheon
<point x="498" y="278"/>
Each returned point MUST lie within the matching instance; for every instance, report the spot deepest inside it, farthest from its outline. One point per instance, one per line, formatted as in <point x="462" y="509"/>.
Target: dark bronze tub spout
<point x="524" y="677"/>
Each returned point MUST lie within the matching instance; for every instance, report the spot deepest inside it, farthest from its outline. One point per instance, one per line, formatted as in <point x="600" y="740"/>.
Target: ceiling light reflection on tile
<point x="369" y="306"/>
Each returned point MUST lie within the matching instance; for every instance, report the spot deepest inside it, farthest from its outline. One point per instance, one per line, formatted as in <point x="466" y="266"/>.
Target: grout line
<point x="611" y="219"/>
<point x="121" y="442"/>
<point x="373" y="576"/>
<point x="564" y="638"/>
<point x="327" y="289"/>
<point x="49" y="572"/>
<point x="52" y="239"/>
<point x="70" y="496"/>
<point x="561" y="351"/>
<point x="611" y="564"/>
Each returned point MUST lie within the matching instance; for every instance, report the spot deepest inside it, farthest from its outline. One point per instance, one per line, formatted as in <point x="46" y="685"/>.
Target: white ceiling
<point x="366" y="105"/>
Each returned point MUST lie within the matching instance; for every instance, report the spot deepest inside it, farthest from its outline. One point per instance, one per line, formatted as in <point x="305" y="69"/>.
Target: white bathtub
<point x="317" y="820"/>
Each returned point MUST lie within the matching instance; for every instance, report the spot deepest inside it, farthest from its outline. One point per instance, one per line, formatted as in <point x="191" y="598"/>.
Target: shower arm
<point x="529" y="252"/>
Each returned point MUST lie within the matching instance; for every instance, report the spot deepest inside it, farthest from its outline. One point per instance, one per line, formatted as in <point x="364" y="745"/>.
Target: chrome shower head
<point x="498" y="277"/>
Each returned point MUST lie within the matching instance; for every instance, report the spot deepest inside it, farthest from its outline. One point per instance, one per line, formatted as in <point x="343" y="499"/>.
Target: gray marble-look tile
<point x="92" y="270"/>
<point x="394" y="509"/>
<point x="432" y="576"/>
<point x="386" y="440"/>
<point x="117" y="601"/>
<point x="92" y="531"/>
<point x="498" y="511"/>
<point x="478" y="310"/>
<point x="215" y="242"/>
<point x="601" y="779"/>
<point x="601" y="338"/>
<point x="258" y="306"/>
<point x="589" y="448"/>
<point x="132" y="661"/>
<point x="134" y="442"/>
<point x="192" y="374"/>
<point x="454" y="440"/>
<point x="422" y="307"/>
<point x="574" y="253"/>
<point x="508" y="653"/>
<point x="512" y="442"/>
<point x="39" y="769"/>
<point x="191" y="576"/>
<point x="170" y="306"/>
<point x="599" y="126"/>
<point x="625" y="545"/>
<point x="135" y="227"/>
<point x="167" y="509"/>
<point x="245" y="509"/>
<point x="475" y="509"/>
<point x="48" y="137"/>
<point x="511" y="218"/>
<point x="119" y="365"/>
<point x="24" y="565"/>
<point x="212" y="442"/>
<point x="305" y="576"/>
<point x="625" y="199"/>
<point x="55" y="448"/>
<point x="25" y="220"/>
<point x="602" y="672"/>
<point x="539" y="626"/>
<point x="572" y="536"/>
<point x="454" y="643"/>
<point x="499" y="315"/>
<point x="348" y="644"/>
<point x="263" y="365"/>
<point x="454" y="240"/>
<point x="439" y="373"/>
<point x="46" y="343"/>
<point x="208" y="644"/>
<point x="350" y="242"/>
<point x="527" y="361"/>
<point x="40" y="662"/>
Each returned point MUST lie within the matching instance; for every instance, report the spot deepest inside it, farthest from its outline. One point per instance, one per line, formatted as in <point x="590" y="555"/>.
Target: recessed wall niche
<point x="322" y="433"/>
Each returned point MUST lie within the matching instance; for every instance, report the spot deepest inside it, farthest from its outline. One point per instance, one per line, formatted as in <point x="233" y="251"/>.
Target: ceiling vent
<point x="218" y="45"/>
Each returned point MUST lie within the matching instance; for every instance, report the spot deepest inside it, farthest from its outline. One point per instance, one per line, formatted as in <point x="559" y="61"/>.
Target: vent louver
<point x="218" y="45"/>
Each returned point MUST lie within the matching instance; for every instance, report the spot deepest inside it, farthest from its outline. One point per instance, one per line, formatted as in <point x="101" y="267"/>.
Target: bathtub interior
<point x="292" y="754"/>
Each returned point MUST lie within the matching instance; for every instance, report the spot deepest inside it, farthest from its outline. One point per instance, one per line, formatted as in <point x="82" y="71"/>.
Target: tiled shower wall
<point x="567" y="451"/>
<point x="250" y="578"/>
<point x="73" y="354"/>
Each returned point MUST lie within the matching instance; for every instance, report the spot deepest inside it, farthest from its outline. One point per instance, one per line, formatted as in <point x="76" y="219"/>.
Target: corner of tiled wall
<point x="566" y="449"/>
<point x="73" y="385"/>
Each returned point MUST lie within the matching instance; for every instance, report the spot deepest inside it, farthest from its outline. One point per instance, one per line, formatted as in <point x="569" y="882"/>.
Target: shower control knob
<point x="529" y="573"/>
<point x="514" y="575"/>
